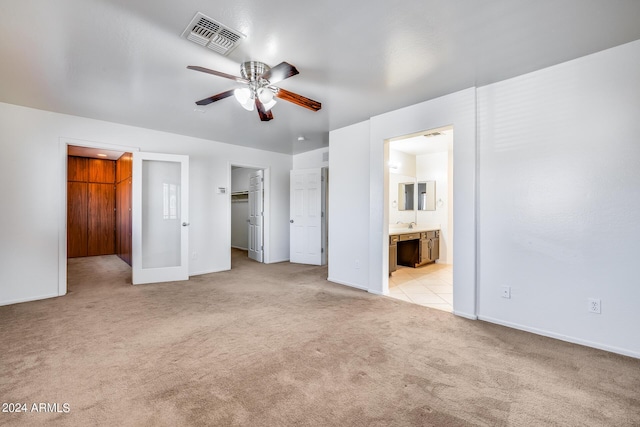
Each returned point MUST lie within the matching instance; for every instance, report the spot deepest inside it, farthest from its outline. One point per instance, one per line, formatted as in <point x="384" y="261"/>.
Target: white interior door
<point x="306" y="216"/>
<point x="160" y="213"/>
<point x="256" y="215"/>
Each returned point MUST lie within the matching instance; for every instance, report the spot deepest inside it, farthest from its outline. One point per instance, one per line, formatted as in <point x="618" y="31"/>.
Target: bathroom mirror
<point x="405" y="196"/>
<point x="427" y="196"/>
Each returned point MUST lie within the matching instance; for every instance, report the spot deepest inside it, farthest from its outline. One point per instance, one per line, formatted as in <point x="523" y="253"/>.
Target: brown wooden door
<point x="103" y="171"/>
<point x="77" y="203"/>
<point x="123" y="220"/>
<point x="101" y="219"/>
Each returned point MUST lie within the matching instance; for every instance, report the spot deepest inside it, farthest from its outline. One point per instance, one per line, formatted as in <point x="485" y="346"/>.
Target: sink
<point x="404" y="228"/>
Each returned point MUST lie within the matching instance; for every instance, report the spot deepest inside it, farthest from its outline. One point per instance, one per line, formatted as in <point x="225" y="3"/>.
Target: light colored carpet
<point x="278" y="345"/>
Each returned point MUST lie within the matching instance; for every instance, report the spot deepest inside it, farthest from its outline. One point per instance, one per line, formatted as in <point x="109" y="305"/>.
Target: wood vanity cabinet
<point x="413" y="249"/>
<point x="429" y="247"/>
<point x="393" y="254"/>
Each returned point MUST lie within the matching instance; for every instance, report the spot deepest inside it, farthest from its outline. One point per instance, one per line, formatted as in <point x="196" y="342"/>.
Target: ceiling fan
<point x="260" y="90"/>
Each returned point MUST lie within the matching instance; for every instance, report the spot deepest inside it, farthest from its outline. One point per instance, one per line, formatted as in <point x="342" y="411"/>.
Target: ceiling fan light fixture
<point x="269" y="105"/>
<point x="244" y="98"/>
<point x="265" y="95"/>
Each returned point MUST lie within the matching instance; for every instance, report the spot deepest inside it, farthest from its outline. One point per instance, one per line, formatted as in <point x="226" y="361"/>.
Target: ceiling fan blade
<point x="215" y="98"/>
<point x="217" y="73"/>
<point x="298" y="99"/>
<point x="265" y="116"/>
<point x="280" y="72"/>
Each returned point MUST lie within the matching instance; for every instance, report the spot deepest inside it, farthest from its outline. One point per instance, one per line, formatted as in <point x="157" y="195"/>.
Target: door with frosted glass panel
<point x="160" y="214"/>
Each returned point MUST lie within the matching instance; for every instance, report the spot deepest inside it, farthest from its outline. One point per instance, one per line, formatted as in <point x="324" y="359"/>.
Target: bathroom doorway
<point x="421" y="218"/>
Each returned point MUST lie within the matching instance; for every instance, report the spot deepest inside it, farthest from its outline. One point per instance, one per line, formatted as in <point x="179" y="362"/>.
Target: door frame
<point x="63" y="150"/>
<point x="266" y="223"/>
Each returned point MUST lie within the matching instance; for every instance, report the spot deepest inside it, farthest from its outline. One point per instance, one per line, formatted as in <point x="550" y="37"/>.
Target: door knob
<point x="291" y="221"/>
<point x="184" y="224"/>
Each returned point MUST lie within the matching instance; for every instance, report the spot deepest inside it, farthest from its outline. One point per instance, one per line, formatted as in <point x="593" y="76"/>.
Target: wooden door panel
<point x="123" y="167"/>
<point x="123" y="220"/>
<point x="77" y="169"/>
<point x="101" y="220"/>
<point x="77" y="199"/>
<point x="102" y="171"/>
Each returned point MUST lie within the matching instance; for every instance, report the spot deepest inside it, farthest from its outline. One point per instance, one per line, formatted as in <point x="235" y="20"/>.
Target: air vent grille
<point x="212" y="34"/>
<point x="432" y="134"/>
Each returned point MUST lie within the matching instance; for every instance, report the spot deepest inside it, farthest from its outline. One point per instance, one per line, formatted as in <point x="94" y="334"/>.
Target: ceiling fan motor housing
<point x="252" y="70"/>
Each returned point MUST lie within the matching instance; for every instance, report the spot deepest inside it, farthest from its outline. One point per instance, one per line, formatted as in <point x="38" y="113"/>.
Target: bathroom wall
<point x="435" y="167"/>
<point x="402" y="169"/>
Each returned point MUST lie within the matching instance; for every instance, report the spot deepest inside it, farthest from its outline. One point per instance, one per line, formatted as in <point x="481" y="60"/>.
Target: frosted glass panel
<point x="161" y="225"/>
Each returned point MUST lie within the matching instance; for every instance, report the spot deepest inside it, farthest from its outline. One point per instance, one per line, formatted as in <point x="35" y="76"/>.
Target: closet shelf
<point x="240" y="196"/>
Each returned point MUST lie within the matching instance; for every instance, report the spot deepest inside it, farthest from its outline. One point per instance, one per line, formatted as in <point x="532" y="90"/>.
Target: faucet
<point x="411" y="224"/>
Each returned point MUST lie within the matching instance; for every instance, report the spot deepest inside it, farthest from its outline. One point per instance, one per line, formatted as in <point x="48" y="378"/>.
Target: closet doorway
<point x="97" y="212"/>
<point x="248" y="212"/>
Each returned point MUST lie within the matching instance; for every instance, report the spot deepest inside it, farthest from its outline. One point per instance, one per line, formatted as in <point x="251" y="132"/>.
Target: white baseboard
<point x="200" y="273"/>
<point x="20" y="300"/>
<point x="599" y="346"/>
<point x="351" y="285"/>
<point x="466" y="315"/>
<point x="241" y="248"/>
<point x="277" y="261"/>
<point x="371" y="291"/>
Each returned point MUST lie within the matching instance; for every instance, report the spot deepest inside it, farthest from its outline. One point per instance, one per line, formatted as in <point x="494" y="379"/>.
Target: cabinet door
<point x="102" y="171"/>
<point x="77" y="199"/>
<point x="435" y="249"/>
<point x="425" y="254"/>
<point x="77" y="169"/>
<point x="101" y="230"/>
<point x="123" y="220"/>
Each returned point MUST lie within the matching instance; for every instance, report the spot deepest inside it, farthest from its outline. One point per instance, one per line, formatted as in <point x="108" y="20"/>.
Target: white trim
<point x="573" y="340"/>
<point x="200" y="273"/>
<point x="383" y="293"/>
<point x="351" y="285"/>
<point x="238" y="247"/>
<point x="63" y="143"/>
<point x="275" y="261"/>
<point x="266" y="220"/>
<point x="465" y="315"/>
<point x="29" y="299"/>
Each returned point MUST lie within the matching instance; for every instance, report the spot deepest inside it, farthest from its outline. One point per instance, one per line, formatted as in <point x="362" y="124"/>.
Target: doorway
<point x="421" y="218"/>
<point x="248" y="213"/>
<point x="95" y="213"/>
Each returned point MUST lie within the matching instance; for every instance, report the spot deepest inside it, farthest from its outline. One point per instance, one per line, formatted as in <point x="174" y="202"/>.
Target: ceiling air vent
<point x="212" y="34"/>
<point x="432" y="134"/>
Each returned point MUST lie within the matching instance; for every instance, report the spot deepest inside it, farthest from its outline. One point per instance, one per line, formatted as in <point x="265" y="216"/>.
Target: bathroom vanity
<point x="413" y="248"/>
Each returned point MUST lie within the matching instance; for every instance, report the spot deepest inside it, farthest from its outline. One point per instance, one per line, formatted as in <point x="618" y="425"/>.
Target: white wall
<point x="311" y="159"/>
<point x="349" y="206"/>
<point x="404" y="164"/>
<point x="559" y="199"/>
<point x="458" y="110"/>
<point x="32" y="163"/>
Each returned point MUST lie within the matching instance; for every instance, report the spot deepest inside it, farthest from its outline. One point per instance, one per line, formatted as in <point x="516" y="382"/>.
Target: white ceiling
<point x="124" y="61"/>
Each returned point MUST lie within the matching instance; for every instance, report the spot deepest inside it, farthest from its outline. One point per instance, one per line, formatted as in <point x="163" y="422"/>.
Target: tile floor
<point x="430" y="285"/>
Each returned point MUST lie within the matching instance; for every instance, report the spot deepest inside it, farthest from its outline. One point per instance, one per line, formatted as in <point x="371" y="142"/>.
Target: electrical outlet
<point x="594" y="305"/>
<point x="506" y="292"/>
<point x="194" y="255"/>
<point x="357" y="264"/>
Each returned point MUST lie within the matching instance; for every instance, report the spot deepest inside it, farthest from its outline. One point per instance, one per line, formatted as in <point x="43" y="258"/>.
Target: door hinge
<point x="322" y="178"/>
<point x="261" y="248"/>
<point x="321" y="214"/>
<point x="321" y="250"/>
